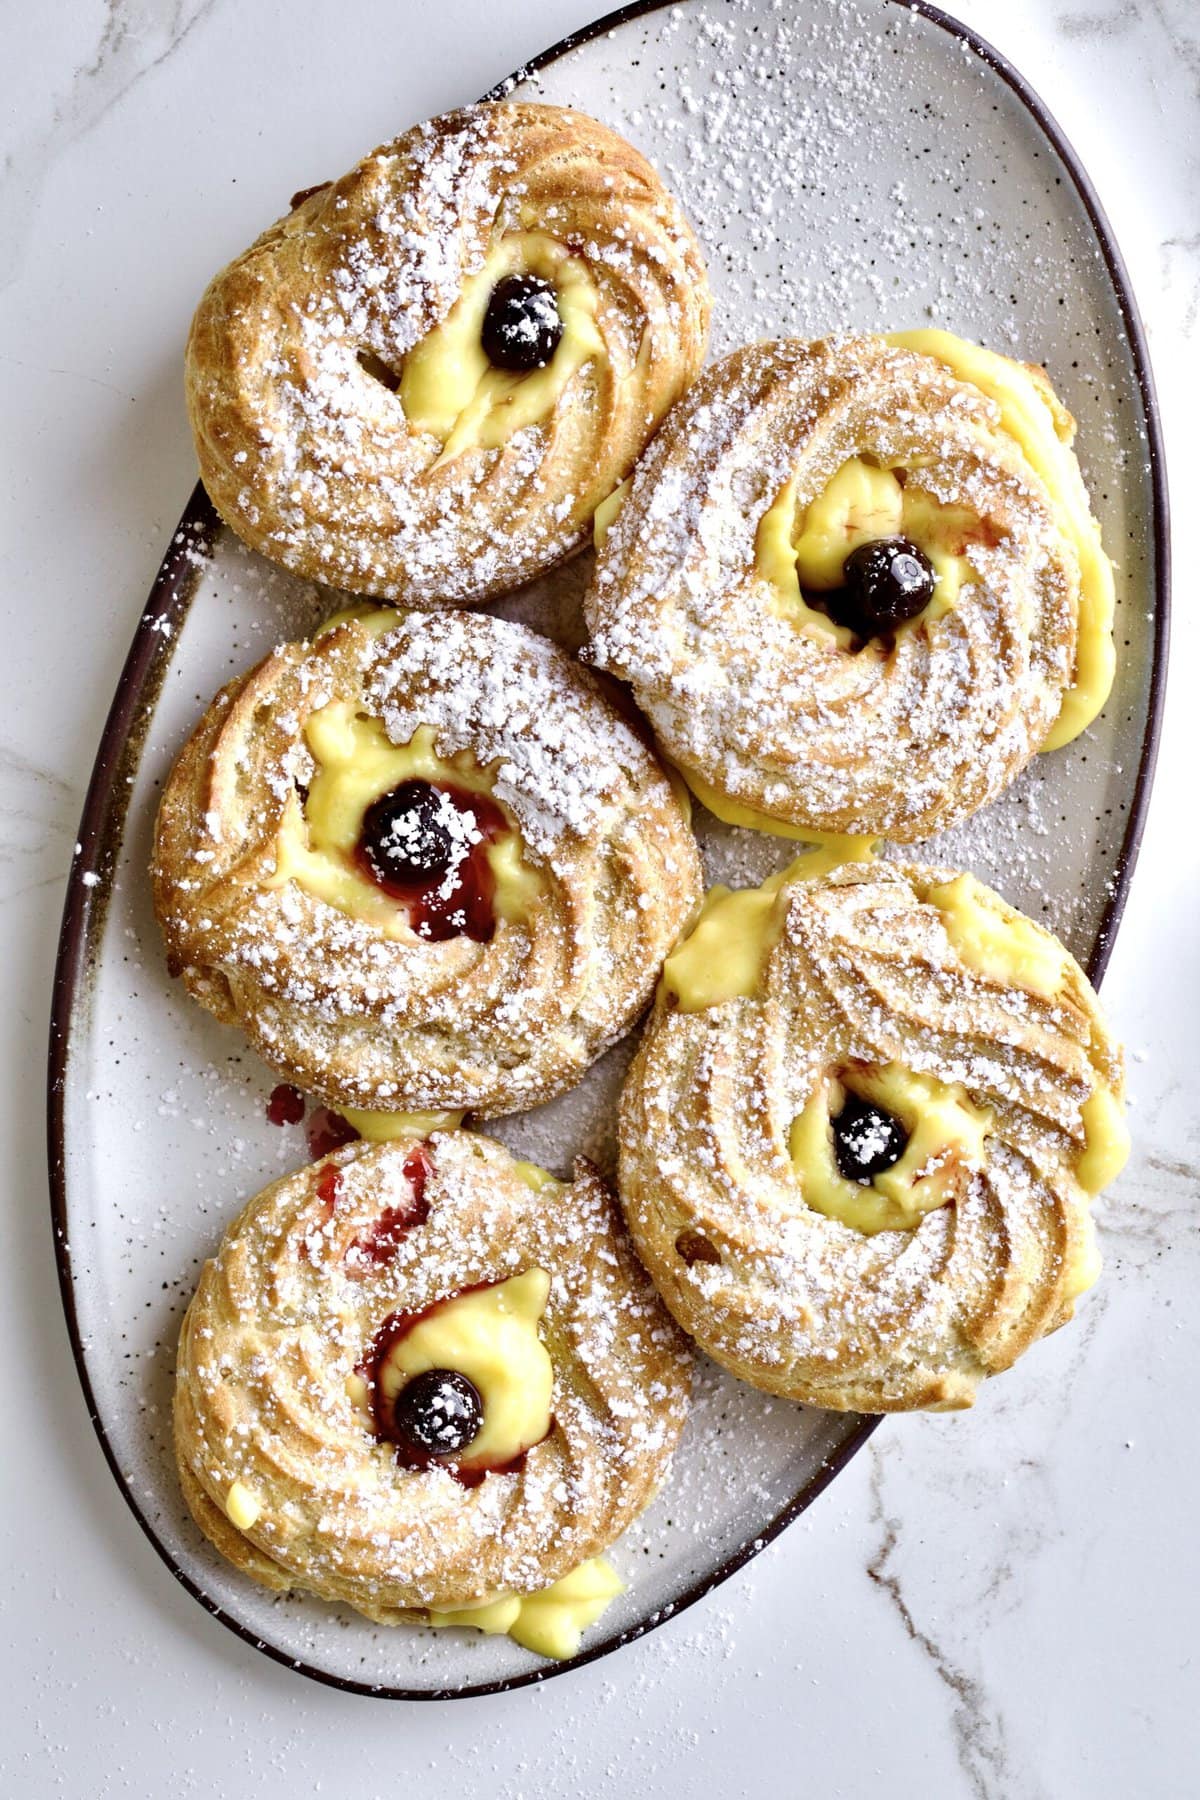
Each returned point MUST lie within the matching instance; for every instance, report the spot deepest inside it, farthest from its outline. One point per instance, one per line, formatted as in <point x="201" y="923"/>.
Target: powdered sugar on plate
<point x="846" y="165"/>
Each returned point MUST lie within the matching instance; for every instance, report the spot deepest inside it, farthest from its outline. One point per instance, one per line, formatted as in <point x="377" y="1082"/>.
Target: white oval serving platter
<point x="869" y="164"/>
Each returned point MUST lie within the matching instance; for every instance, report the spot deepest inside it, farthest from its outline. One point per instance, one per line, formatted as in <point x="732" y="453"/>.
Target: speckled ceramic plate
<point x="864" y="164"/>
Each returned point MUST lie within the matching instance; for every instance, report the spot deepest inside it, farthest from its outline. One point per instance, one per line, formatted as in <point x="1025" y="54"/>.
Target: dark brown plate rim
<point x="101" y="828"/>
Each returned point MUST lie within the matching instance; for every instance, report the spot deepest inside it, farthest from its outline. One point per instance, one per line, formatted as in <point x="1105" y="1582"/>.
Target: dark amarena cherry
<point x="522" y="325"/>
<point x="407" y="834"/>
<point x="388" y="1414"/>
<point x="437" y="1414"/>
<point x="866" y="1140"/>
<point x="426" y="844"/>
<point x="887" y="582"/>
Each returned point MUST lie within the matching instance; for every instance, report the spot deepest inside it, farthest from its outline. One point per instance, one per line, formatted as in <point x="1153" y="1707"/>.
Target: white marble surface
<point x="999" y="1604"/>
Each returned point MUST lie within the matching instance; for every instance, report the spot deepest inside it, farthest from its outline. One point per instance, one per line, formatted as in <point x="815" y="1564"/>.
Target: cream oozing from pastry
<point x="346" y="421"/>
<point x="782" y="458"/>
<point x="529" y="1287"/>
<point x="1030" y="411"/>
<point x="356" y="763"/>
<point x="945" y="1131"/>
<point x="860" y="504"/>
<point x="920" y="993"/>
<point x="277" y="925"/>
<point x="551" y="1622"/>
<point x="490" y="1335"/>
<point x="447" y="385"/>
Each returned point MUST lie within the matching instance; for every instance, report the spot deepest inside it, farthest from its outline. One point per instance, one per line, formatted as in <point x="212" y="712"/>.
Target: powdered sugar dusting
<point x="898" y="737"/>
<point x="863" y="973"/>
<point x="296" y="352"/>
<point x="285" y="1319"/>
<point x="391" y="1019"/>
<point x="915" y="188"/>
<point x="521" y="708"/>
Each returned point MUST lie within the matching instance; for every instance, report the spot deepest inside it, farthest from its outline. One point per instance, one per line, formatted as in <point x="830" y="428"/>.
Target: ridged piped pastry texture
<point x="400" y="1024"/>
<point x="288" y="1309"/>
<point x="296" y="347"/>
<point x="895" y="738"/>
<point x="863" y="970"/>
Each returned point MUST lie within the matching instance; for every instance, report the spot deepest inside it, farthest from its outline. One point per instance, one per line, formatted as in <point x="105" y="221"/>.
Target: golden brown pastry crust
<point x="309" y="456"/>
<point x="897" y="741"/>
<point x="282" y="1316"/>
<point x="796" y="1302"/>
<point x="365" y="1020"/>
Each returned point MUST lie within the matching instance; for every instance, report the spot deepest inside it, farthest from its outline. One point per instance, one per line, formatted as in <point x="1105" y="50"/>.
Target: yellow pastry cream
<point x="551" y="1622"/>
<point x="945" y="1133"/>
<point x="861" y="503"/>
<point x="242" y="1507"/>
<point x="721" y="957"/>
<point x="449" y="388"/>
<point x="384" y="1127"/>
<point x="535" y="1177"/>
<point x="356" y="764"/>
<point x="490" y="1335"/>
<point x="733" y="812"/>
<point x="1002" y="946"/>
<point x="995" y="941"/>
<point x="605" y="514"/>
<point x="1032" y="415"/>
<point x="864" y="501"/>
<point x="1106" y="1142"/>
<point x="374" y="620"/>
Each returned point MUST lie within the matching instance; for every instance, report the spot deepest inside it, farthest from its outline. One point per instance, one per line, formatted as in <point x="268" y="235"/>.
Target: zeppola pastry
<point x="430" y="1382"/>
<point x="856" y="584"/>
<point x="423" y="863"/>
<point x="861" y="1136"/>
<point x="420" y="384"/>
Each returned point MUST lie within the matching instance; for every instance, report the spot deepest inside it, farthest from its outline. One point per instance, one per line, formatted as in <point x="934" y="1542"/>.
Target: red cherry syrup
<point x="377" y="1247"/>
<point x="397" y="1325"/>
<point x="286" y="1105"/>
<point x="327" y="1131"/>
<point x="456" y="899"/>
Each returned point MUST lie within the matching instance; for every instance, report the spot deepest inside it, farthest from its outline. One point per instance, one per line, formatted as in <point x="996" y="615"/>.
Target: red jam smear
<point x="377" y="1247"/>
<point x="328" y="1131"/>
<point x="397" y="1325"/>
<point x="463" y="905"/>
<point x="329" y="1187"/>
<point x="286" y="1105"/>
<point x="418" y="1167"/>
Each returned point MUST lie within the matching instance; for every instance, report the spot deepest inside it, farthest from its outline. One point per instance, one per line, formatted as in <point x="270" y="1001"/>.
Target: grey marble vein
<point x="86" y="375"/>
<point x="1118" y="23"/>
<point x="38" y="815"/>
<point x="1180" y="263"/>
<point x="137" y="37"/>
<point x="1152" y="1210"/>
<point x="980" y="1733"/>
<point x="999" y="1519"/>
<point x="1179" y="22"/>
<point x="1175" y="21"/>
